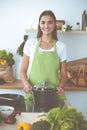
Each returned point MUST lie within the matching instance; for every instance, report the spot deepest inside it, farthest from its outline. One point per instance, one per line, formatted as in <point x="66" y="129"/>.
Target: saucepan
<point x="44" y="97"/>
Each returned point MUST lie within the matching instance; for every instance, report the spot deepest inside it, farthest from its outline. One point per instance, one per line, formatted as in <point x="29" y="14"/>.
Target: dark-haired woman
<point x="45" y="56"/>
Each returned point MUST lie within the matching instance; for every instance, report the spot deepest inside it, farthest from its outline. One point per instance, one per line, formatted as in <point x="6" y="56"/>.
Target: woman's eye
<point x="50" y="22"/>
<point x="43" y="22"/>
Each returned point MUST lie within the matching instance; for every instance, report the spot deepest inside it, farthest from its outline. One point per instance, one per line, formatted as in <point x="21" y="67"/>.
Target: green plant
<point x="6" y="58"/>
<point x="66" y="119"/>
<point x="20" y="49"/>
<point x="68" y="28"/>
<point x="21" y="46"/>
<point x="41" y="125"/>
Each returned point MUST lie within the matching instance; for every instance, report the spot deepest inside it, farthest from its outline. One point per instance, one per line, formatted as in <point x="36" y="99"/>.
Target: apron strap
<point x="54" y="44"/>
<point x="37" y="46"/>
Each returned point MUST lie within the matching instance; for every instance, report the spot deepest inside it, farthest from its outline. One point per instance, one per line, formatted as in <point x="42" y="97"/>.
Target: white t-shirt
<point x="30" y="47"/>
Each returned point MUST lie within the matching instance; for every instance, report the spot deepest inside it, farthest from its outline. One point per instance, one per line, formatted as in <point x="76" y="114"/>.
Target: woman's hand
<point x="27" y="89"/>
<point x="60" y="91"/>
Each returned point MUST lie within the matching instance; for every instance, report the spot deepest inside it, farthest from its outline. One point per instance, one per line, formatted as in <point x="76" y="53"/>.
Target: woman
<point x="45" y="56"/>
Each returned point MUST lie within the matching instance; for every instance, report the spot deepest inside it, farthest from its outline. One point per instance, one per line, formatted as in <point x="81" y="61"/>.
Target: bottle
<point x="77" y="26"/>
<point x="83" y="20"/>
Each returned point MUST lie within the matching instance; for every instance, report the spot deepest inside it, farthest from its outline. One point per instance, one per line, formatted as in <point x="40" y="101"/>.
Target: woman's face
<point x="47" y="24"/>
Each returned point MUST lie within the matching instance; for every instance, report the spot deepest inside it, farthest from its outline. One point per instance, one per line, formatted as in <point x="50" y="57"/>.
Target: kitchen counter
<point x="24" y="117"/>
<point x="17" y="84"/>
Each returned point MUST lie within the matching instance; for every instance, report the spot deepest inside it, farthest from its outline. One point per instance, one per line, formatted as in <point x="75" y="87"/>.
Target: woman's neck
<point x="46" y="42"/>
<point x="47" y="39"/>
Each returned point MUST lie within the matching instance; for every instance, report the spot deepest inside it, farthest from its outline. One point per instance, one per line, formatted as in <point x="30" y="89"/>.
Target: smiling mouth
<point x="46" y="30"/>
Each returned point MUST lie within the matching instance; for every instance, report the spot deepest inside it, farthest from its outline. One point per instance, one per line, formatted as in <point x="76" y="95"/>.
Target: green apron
<point x="45" y="66"/>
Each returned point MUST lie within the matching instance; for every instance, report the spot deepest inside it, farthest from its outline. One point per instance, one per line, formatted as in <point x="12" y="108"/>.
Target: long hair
<point x="54" y="33"/>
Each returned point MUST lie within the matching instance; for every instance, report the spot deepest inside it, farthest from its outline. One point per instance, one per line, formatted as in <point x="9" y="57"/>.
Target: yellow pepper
<point x="3" y="62"/>
<point x="24" y="126"/>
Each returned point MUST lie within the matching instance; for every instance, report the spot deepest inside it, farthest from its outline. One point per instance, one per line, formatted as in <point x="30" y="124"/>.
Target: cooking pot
<point x="45" y="97"/>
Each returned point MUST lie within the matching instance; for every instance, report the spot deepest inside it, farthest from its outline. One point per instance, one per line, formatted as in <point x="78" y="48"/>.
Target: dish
<point x="6" y="111"/>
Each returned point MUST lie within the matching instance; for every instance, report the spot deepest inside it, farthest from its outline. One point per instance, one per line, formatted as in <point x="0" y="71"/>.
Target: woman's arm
<point x="63" y="74"/>
<point x="63" y="77"/>
<point x="23" y="73"/>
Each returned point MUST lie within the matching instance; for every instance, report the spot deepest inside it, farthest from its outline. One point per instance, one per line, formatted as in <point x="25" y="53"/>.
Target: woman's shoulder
<point x="30" y="46"/>
<point x="61" y="50"/>
<point x="31" y="42"/>
<point x="60" y="44"/>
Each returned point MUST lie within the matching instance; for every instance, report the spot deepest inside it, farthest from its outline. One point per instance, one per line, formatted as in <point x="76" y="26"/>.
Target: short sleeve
<point x="26" y="48"/>
<point x="29" y="47"/>
<point x="61" y="50"/>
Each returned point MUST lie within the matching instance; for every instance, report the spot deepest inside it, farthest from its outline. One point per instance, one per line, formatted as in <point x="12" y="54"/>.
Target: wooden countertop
<point x="70" y="87"/>
<point x="17" y="84"/>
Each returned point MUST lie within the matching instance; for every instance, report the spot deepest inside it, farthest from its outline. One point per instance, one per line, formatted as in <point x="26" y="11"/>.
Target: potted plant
<point x="6" y="63"/>
<point x="6" y="58"/>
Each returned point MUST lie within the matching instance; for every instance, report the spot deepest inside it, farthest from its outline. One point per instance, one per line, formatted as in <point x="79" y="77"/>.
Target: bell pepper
<point x="3" y="62"/>
<point x="24" y="126"/>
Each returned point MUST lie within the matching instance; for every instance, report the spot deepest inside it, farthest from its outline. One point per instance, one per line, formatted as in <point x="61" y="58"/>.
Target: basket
<point x="77" y="75"/>
<point x="6" y="73"/>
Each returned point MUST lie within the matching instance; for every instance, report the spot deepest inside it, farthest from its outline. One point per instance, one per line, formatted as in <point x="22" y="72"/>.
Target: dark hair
<point x="47" y="12"/>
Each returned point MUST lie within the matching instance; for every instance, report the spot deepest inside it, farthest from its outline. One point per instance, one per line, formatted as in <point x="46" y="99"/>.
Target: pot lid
<point x="43" y="86"/>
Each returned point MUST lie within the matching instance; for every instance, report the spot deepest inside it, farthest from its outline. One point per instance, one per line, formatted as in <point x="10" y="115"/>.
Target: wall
<point x="16" y="16"/>
<point x="75" y="44"/>
<point x="78" y="100"/>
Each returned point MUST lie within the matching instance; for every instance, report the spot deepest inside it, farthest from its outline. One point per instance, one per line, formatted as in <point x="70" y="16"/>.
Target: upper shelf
<point x="73" y="32"/>
<point x="59" y="31"/>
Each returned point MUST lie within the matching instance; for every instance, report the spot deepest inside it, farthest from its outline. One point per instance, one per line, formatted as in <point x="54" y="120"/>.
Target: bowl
<point x="6" y="111"/>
